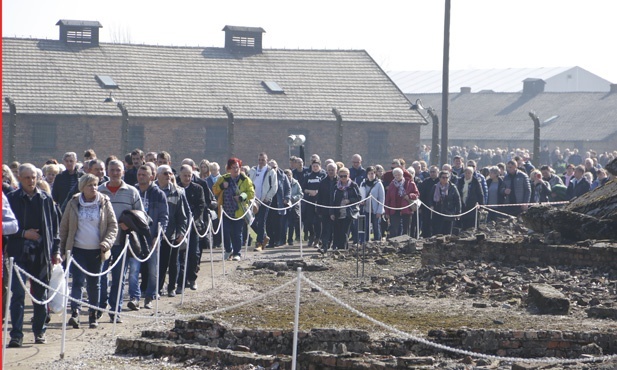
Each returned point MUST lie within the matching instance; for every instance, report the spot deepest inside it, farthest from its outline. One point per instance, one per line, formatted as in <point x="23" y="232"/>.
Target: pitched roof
<point x="505" y="116"/>
<point x="559" y="79"/>
<point x="51" y="77"/>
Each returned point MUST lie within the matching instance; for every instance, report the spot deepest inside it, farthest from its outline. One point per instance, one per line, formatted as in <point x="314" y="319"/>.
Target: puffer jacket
<point x="108" y="226"/>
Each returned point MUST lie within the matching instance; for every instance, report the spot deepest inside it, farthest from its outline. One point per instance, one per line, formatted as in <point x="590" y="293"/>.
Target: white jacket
<point x="269" y="185"/>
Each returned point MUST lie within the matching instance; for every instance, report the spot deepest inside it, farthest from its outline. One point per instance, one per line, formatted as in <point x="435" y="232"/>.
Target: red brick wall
<point x="185" y="137"/>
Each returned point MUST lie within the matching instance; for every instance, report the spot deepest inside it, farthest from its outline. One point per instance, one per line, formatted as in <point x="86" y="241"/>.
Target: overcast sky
<point x="399" y="35"/>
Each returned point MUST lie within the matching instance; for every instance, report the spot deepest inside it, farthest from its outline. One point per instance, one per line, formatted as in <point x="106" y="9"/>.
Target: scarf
<point x="229" y="203"/>
<point x="370" y="183"/>
<point x="466" y="187"/>
<point x="441" y="192"/>
<point x="342" y="187"/>
<point x="400" y="186"/>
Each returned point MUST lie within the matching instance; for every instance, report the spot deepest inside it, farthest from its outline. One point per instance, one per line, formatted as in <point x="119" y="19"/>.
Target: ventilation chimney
<point x="79" y="32"/>
<point x="465" y="90"/>
<point x="246" y="39"/>
<point x="613" y="89"/>
<point x="533" y="86"/>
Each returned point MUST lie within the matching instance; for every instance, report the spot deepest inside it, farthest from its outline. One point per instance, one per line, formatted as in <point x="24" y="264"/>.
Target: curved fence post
<point x="6" y="318"/>
<point x="296" y="320"/>
<point x="69" y="260"/>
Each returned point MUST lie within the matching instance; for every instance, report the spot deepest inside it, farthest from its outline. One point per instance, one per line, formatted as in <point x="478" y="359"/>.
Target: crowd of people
<point x="88" y="210"/>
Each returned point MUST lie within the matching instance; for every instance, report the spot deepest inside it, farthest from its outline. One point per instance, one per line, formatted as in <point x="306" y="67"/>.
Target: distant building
<point x="560" y="79"/>
<point x="76" y="93"/>
<point x="583" y="120"/>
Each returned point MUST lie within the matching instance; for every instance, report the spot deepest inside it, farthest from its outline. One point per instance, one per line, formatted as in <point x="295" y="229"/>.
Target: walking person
<point x="88" y="229"/>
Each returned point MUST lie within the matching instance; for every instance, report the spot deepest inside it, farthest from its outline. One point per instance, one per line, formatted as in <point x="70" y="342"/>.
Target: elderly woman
<point x="88" y="229"/>
<point x="345" y="192"/>
<point x="373" y="208"/>
<point x="401" y="193"/>
<point x="471" y="194"/>
<point x="234" y="191"/>
<point x="446" y="200"/>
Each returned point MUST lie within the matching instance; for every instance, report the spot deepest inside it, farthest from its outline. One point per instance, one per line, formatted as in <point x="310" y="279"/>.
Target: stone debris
<point x="548" y="300"/>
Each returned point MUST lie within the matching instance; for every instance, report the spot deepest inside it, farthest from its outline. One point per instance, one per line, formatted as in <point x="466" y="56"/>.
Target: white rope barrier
<point x="156" y="246"/>
<point x="184" y="237"/>
<point x="442" y="347"/>
<point x="551" y="360"/>
<point x="103" y="273"/>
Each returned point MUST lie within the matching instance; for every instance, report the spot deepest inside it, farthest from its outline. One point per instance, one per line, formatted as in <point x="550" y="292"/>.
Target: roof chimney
<point x="465" y="90"/>
<point x="243" y="38"/>
<point x="613" y="89"/>
<point x="533" y="86"/>
<point x="79" y="32"/>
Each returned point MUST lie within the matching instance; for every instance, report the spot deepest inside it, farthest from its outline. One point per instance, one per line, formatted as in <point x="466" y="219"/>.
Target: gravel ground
<point x="395" y="289"/>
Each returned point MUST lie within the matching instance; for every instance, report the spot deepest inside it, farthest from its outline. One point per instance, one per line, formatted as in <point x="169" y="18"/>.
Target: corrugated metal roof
<point x="50" y="77"/>
<point x="500" y="116"/>
<point x="498" y="80"/>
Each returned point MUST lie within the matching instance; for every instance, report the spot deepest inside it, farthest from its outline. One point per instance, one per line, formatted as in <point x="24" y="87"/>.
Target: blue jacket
<point x="155" y="205"/>
<point x="283" y="192"/>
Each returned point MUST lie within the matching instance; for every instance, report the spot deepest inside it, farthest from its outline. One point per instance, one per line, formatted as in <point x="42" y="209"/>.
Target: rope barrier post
<point x="158" y="262"/>
<point x="120" y="288"/>
<point x="296" y="320"/>
<point x="301" y="228"/>
<point x="418" y="205"/>
<point x="6" y="318"/>
<point x="211" y="251"/>
<point x="477" y="211"/>
<point x="222" y="225"/>
<point x="186" y="264"/>
<point x="69" y="260"/>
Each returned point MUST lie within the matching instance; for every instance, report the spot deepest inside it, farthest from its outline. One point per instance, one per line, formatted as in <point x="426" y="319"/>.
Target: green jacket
<point x="245" y="188"/>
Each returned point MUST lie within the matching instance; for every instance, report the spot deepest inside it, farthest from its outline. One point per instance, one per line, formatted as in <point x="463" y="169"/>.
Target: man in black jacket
<point x="197" y="203"/>
<point x="325" y="198"/>
<point x="35" y="247"/>
<point x="66" y="180"/>
<point x="426" y="192"/>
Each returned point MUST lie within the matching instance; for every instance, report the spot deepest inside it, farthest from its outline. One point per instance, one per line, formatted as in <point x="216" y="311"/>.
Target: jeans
<point x="259" y="224"/>
<point x="169" y="258"/>
<point x="104" y="293"/>
<point x="90" y="260"/>
<point x="17" y="303"/>
<point x="232" y="235"/>
<point x="118" y="278"/>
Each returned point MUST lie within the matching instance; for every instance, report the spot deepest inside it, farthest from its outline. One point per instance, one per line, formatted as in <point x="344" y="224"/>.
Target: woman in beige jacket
<point x="88" y="229"/>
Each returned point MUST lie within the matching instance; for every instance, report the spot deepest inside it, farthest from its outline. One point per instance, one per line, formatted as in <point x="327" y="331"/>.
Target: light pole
<point x="230" y="130"/>
<point x="295" y="140"/>
<point x="445" y="83"/>
<point x="435" y="139"/>
<point x="125" y="127"/>
<point x="339" y="134"/>
<point x="536" y="137"/>
<point x="12" y="127"/>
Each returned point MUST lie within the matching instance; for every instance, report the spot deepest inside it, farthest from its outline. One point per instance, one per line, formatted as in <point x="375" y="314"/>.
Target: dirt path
<point x="84" y="343"/>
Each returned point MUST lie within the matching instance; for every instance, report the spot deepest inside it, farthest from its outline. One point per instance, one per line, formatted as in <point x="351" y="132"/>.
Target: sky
<point x="399" y="35"/>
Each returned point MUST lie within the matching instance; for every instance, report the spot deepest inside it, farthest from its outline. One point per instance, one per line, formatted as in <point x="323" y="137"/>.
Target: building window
<point x="242" y="41"/>
<point x="136" y="136"/>
<point x="377" y="145"/>
<point x="216" y="142"/>
<point x="44" y="136"/>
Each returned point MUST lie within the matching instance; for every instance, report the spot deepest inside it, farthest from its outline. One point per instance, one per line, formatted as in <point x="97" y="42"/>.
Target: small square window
<point x="44" y="136"/>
